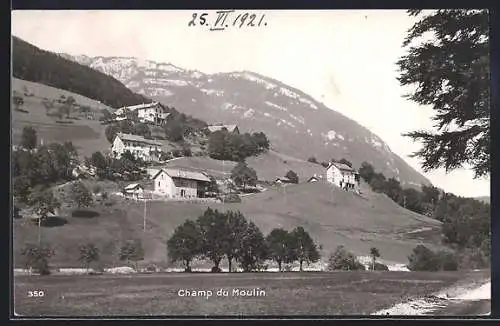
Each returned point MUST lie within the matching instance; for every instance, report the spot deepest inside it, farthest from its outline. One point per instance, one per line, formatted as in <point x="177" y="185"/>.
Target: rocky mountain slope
<point x="295" y="123"/>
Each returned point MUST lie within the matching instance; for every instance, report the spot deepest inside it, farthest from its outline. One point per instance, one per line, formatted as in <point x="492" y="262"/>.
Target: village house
<point x="140" y="147"/>
<point x="134" y="190"/>
<point x="341" y="175"/>
<point x="230" y="128"/>
<point x="282" y="180"/>
<point x="179" y="183"/>
<point x="147" y="113"/>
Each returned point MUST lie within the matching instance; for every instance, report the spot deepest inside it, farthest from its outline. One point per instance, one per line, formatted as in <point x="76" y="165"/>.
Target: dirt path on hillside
<point x="463" y="300"/>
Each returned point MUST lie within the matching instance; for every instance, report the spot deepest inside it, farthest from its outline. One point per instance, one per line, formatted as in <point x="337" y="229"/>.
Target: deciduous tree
<point x="132" y="250"/>
<point x="212" y="225"/>
<point x="236" y="226"/>
<point x="292" y="176"/>
<point x="253" y="248"/>
<point x="89" y="253"/>
<point x="366" y="171"/>
<point x="29" y="138"/>
<point x="278" y="242"/>
<point x="80" y="195"/>
<point x="185" y="243"/>
<point x="37" y="257"/>
<point x="374" y="253"/>
<point x="303" y="245"/>
<point x="243" y="175"/>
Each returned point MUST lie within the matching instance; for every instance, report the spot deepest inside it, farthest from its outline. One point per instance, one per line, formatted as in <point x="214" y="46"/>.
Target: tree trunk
<point x="230" y="261"/>
<point x="301" y="261"/>
<point x="373" y="263"/>
<point x="279" y="265"/>
<point x="216" y="264"/>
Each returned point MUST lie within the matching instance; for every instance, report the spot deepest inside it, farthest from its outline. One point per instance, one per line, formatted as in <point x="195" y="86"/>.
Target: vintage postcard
<point x="250" y="163"/>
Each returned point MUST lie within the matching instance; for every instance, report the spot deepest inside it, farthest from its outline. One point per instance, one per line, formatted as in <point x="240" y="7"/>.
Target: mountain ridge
<point x="296" y="123"/>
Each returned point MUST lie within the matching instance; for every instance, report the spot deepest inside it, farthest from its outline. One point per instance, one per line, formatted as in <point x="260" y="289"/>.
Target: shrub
<point x="312" y="159"/>
<point x="341" y="259"/>
<point x="379" y="267"/>
<point x="37" y="257"/>
<point x="187" y="152"/>
<point x="89" y="253"/>
<point x="473" y="258"/>
<point x="423" y="259"/>
<point x="294" y="178"/>
<point x="449" y="261"/>
<point x="152" y="268"/>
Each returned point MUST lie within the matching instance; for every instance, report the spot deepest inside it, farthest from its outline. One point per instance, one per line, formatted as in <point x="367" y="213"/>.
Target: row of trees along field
<point x="37" y="256"/>
<point x="466" y="221"/>
<point x="217" y="235"/>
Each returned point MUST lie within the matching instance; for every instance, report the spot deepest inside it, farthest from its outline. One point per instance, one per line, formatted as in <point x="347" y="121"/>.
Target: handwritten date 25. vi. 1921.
<point x="223" y="19"/>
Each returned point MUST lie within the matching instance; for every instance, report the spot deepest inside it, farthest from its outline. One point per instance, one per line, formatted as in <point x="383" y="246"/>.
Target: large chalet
<point x="139" y="147"/>
<point x="152" y="113"/>
<point x="341" y="175"/>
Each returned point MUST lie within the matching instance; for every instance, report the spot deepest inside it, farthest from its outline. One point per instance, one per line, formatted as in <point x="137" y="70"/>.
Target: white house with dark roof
<point x="147" y="113"/>
<point x="179" y="183"/>
<point x="341" y="175"/>
<point x="219" y="127"/>
<point x="140" y="147"/>
<point x="134" y="190"/>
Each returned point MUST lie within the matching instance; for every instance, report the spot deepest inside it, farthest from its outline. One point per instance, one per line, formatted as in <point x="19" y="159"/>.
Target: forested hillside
<point x="36" y="65"/>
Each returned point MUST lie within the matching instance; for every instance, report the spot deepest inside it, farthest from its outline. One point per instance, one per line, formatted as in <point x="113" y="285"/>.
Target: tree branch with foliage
<point x="451" y="74"/>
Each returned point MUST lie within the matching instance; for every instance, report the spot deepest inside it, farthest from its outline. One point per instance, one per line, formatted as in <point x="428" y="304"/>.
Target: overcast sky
<point x="344" y="58"/>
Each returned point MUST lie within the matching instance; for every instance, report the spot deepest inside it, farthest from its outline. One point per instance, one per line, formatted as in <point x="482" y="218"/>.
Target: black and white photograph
<point x="176" y="163"/>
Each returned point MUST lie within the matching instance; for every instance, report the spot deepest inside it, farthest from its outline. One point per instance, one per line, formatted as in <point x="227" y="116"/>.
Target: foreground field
<point x="351" y="293"/>
<point x="333" y="217"/>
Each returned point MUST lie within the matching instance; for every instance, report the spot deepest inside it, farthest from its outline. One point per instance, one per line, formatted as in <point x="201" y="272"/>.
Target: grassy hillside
<point x="87" y="135"/>
<point x="332" y="217"/>
<point x="268" y="165"/>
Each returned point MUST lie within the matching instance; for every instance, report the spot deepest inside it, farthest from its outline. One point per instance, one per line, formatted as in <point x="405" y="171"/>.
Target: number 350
<point x="35" y="294"/>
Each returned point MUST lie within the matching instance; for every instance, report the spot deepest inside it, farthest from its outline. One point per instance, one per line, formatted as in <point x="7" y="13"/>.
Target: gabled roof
<point x="140" y="106"/>
<point x="182" y="174"/>
<point x="283" y="179"/>
<point x="341" y="166"/>
<point x="137" y="138"/>
<point x="152" y="172"/>
<point x="214" y="128"/>
<point x="133" y="186"/>
<point x="313" y="178"/>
